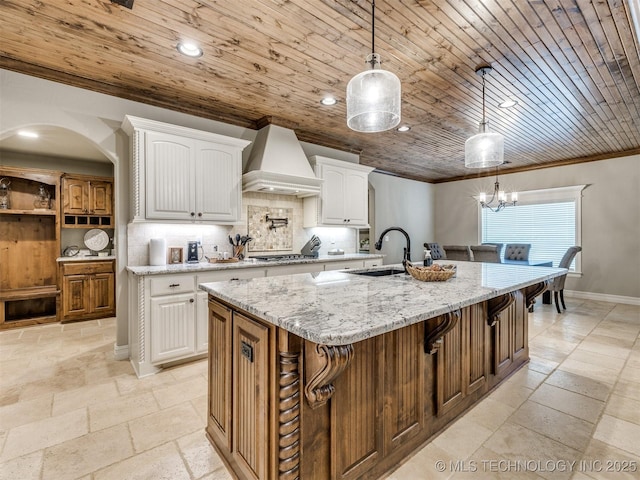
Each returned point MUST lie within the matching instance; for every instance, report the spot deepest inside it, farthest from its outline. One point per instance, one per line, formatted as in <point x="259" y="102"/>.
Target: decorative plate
<point x="96" y="239"/>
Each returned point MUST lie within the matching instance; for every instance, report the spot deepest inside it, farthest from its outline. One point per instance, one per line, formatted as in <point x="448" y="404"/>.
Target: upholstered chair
<point x="437" y="253"/>
<point x="557" y="284"/>
<point x="457" y="252"/>
<point x="517" y="251"/>
<point x="485" y="253"/>
<point x="499" y="245"/>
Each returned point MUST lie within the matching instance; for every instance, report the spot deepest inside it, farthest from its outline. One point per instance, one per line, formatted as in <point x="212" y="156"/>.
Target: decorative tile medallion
<point x="270" y="228"/>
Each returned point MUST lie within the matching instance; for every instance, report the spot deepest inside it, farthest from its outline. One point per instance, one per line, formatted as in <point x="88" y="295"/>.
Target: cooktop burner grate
<point x="274" y="258"/>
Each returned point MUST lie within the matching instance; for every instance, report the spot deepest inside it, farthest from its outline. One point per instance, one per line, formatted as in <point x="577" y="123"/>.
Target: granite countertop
<point x="85" y="258"/>
<point x="338" y="308"/>
<point x="250" y="263"/>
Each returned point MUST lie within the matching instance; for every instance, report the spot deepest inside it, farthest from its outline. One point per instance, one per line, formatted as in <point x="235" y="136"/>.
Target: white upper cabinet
<point x="344" y="197"/>
<point x="183" y="174"/>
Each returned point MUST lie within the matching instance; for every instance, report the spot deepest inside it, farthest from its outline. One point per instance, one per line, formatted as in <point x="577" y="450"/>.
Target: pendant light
<point x="373" y="96"/>
<point x="485" y="149"/>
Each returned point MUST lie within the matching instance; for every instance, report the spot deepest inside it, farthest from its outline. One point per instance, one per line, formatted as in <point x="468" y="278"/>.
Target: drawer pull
<point x="232" y="279"/>
<point x="174" y="285"/>
<point x="246" y="351"/>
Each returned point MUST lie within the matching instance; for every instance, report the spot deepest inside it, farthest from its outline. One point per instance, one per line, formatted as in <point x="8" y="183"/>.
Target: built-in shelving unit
<point x="29" y="246"/>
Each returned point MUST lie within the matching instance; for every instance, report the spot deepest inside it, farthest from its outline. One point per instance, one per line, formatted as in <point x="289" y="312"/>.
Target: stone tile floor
<point x="69" y="411"/>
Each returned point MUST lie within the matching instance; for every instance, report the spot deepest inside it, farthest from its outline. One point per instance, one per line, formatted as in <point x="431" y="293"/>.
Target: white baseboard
<point x="603" y="297"/>
<point x="120" y="352"/>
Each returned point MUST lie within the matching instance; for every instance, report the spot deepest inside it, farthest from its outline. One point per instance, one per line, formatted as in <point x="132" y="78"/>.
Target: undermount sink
<point x="380" y="273"/>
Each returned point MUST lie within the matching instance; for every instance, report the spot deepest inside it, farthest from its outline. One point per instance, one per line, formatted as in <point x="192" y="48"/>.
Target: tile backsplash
<point x="177" y="235"/>
<point x="270" y="228"/>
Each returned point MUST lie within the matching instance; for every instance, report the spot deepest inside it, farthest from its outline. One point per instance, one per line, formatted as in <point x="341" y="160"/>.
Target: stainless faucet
<point x="407" y="250"/>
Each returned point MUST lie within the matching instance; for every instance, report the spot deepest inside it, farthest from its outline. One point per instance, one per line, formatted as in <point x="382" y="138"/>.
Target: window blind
<point x="550" y="228"/>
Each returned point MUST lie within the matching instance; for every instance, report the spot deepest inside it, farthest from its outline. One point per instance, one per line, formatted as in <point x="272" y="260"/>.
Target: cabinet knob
<point x="191" y="300"/>
<point x="193" y="214"/>
<point x="199" y="214"/>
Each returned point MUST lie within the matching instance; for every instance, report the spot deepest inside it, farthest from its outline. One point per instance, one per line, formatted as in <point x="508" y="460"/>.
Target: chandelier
<point x="484" y="149"/>
<point x="498" y="199"/>
<point x="373" y="96"/>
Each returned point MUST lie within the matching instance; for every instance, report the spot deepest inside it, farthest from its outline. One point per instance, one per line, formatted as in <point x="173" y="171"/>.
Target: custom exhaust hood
<point x="277" y="164"/>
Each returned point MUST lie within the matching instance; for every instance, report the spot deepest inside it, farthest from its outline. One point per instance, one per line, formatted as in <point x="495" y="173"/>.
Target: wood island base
<point x="283" y="407"/>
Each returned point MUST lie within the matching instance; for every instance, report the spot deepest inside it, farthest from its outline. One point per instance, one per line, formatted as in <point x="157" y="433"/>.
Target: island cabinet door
<point x="250" y="445"/>
<point x="510" y="339"/>
<point x="219" y="408"/>
<point x="463" y="361"/>
<point x="357" y="441"/>
<point x="404" y="381"/>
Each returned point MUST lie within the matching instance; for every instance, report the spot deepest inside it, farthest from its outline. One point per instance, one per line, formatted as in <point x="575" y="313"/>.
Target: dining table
<point x="546" y="296"/>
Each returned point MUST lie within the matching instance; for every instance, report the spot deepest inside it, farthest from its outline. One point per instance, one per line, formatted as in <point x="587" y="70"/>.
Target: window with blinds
<point x="547" y="219"/>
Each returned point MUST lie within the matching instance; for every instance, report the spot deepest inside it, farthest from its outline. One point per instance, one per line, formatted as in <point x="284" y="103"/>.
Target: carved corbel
<point x="497" y="305"/>
<point x="433" y="337"/>
<point x="532" y="291"/>
<point x="323" y="364"/>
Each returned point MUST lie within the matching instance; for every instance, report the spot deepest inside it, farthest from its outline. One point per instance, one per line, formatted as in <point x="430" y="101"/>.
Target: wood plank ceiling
<point x="573" y="66"/>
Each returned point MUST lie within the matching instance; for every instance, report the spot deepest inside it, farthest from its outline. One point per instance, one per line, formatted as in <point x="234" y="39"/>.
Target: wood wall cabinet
<point x="183" y="174"/>
<point x="87" y="201"/>
<point x="88" y="290"/>
<point x="29" y="246"/>
<point x="343" y="200"/>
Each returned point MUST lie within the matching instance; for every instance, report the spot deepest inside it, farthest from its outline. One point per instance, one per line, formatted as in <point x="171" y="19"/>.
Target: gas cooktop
<point x="276" y="258"/>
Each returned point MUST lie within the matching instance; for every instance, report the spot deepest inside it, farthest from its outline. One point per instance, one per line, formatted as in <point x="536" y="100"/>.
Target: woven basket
<point x="426" y="274"/>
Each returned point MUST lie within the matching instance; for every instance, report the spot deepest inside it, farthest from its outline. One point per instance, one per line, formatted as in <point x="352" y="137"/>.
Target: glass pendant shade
<point x="373" y="100"/>
<point x="485" y="149"/>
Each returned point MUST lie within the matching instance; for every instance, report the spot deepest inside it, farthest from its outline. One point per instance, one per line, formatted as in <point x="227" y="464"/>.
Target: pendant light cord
<point x="373" y="26"/>
<point x="484" y="120"/>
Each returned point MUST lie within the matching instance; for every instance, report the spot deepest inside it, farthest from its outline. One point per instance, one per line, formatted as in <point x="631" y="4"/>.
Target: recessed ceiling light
<point x="189" y="49"/>
<point x="404" y="128"/>
<point x="28" y="134"/>
<point x="328" y="101"/>
<point x="508" y="103"/>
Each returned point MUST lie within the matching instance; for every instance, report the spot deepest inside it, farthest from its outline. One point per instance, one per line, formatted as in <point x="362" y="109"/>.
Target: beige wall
<point x="406" y="204"/>
<point x="610" y="218"/>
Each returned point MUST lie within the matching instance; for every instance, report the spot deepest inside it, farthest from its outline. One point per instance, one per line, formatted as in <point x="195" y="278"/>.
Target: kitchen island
<point x="339" y="375"/>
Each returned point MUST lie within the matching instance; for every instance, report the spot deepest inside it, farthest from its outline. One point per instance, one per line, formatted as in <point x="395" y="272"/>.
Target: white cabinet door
<point x="356" y="189"/>
<point x="170" y="176"/>
<point x="218" y="182"/>
<point x="172" y="327"/>
<point x="344" y="265"/>
<point x="202" y="324"/>
<point x="293" y="269"/>
<point x="333" y="195"/>
<point x="344" y="198"/>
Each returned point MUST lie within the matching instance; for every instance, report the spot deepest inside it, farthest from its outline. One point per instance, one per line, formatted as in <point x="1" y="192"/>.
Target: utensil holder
<point x="238" y="252"/>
